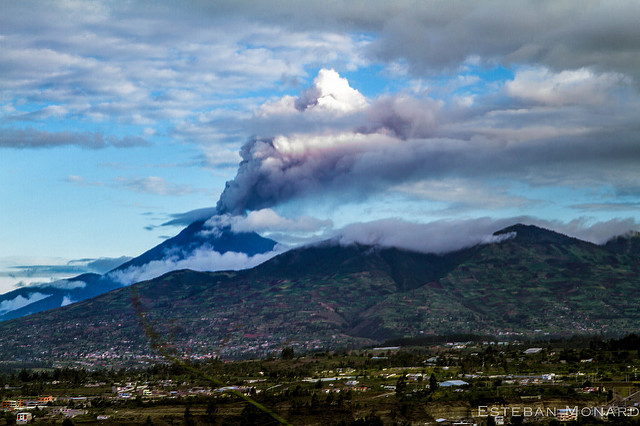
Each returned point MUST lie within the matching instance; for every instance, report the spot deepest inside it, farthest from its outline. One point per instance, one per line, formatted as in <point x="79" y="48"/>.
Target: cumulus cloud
<point x="329" y="94"/>
<point x="202" y="259"/>
<point x="21" y="301"/>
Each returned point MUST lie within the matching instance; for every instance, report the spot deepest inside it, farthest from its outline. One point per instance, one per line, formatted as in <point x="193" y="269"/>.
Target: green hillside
<point x="330" y="296"/>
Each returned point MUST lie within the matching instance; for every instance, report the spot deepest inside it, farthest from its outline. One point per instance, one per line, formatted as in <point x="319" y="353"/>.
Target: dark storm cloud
<point x="435" y="35"/>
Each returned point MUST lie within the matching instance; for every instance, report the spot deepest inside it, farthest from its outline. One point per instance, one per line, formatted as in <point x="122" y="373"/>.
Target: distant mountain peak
<point x="536" y="235"/>
<point x="220" y="238"/>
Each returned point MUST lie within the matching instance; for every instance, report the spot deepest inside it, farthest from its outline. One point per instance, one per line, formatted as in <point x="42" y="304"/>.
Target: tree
<point x="252" y="415"/>
<point x="370" y="420"/>
<point x="401" y="386"/>
<point x="433" y="382"/>
<point x="287" y="353"/>
<point x="212" y="407"/>
<point x="188" y="417"/>
<point x="10" y="418"/>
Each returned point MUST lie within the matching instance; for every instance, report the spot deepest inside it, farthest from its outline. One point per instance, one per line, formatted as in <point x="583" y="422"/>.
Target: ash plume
<point x="364" y="146"/>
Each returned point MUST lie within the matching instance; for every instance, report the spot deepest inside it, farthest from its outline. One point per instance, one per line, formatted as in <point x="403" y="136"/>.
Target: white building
<point x="23" y="418"/>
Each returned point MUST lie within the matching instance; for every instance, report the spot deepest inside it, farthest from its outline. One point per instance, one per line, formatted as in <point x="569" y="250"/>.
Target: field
<point x="473" y="381"/>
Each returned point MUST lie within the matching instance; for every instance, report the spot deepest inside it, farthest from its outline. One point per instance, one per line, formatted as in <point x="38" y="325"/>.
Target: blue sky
<point x="119" y="117"/>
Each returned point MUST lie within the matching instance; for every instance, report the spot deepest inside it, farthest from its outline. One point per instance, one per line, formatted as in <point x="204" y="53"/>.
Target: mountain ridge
<point x="331" y="296"/>
<point x="193" y="237"/>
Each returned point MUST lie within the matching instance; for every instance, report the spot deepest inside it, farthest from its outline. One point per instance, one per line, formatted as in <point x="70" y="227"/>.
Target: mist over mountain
<point x="27" y="300"/>
<point x="330" y="295"/>
<point x="196" y="247"/>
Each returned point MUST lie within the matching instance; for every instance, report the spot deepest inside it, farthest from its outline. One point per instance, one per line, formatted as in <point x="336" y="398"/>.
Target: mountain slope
<point x="538" y="280"/>
<point x="29" y="300"/>
<point x="330" y="296"/>
<point x="625" y="244"/>
<point x="195" y="236"/>
<point x="53" y="295"/>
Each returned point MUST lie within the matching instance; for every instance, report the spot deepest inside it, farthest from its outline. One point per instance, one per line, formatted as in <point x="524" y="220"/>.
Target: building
<point x="453" y="383"/>
<point x="567" y="415"/>
<point x="23" y="418"/>
<point x="12" y="404"/>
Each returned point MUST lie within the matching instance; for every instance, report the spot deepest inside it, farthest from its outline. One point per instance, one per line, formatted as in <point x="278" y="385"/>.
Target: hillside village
<point x="330" y="297"/>
<point x="451" y="383"/>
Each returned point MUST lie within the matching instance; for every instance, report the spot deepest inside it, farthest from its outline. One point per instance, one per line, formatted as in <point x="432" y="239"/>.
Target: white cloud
<point x="597" y="232"/>
<point x="21" y="301"/>
<point x="268" y="220"/>
<point x="434" y="237"/>
<point x="582" y="86"/>
<point x="122" y="63"/>
<point x="449" y="235"/>
<point x="154" y="185"/>
<point x="329" y="94"/>
<point x="66" y="300"/>
<point x="202" y="259"/>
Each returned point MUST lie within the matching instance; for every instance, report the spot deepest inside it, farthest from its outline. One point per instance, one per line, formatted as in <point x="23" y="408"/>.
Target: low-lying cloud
<point x="66" y="300"/>
<point x="202" y="259"/>
<point x="444" y="236"/>
<point x="436" y="237"/>
<point x="21" y="301"/>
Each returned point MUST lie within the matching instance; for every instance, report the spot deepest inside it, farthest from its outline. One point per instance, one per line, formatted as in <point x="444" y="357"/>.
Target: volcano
<point x="197" y="236"/>
<point x="330" y="295"/>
